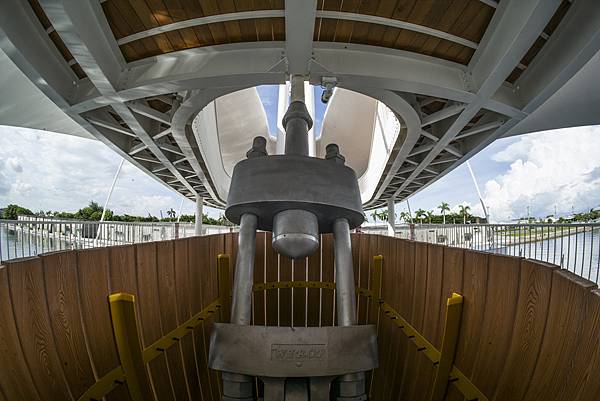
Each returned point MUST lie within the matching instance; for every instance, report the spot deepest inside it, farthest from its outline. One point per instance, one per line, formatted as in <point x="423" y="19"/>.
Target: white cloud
<point x="547" y="169"/>
<point x="14" y="164"/>
<point x="47" y="171"/>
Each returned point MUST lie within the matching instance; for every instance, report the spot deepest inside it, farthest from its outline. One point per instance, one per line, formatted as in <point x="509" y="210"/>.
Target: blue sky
<point x="42" y="170"/>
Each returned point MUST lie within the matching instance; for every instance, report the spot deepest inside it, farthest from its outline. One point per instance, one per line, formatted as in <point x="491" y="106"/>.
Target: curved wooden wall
<point x="529" y="330"/>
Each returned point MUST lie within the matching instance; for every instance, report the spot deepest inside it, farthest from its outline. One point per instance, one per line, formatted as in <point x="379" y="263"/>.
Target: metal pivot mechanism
<point x="297" y="197"/>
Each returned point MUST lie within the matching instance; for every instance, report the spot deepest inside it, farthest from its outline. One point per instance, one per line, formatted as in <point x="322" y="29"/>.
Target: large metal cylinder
<point x="297" y="122"/>
<point x="344" y="275"/>
<point x="350" y="386"/>
<point x="295" y="233"/>
<point x="241" y="305"/>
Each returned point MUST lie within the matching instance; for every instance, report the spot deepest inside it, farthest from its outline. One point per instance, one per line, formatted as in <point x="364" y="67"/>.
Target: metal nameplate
<point x="292" y="351"/>
<point x="298" y="352"/>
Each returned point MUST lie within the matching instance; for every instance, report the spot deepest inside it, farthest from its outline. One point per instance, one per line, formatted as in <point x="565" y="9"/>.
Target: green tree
<point x="464" y="212"/>
<point x="379" y="215"/>
<point x="10" y="212"/>
<point x="93" y="212"/>
<point x="405" y="216"/>
<point x="171" y="213"/>
<point x="421" y="214"/>
<point x="444" y="207"/>
<point x="430" y="215"/>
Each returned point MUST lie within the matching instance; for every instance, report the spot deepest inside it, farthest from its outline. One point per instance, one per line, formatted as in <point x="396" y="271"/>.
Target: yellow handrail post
<point x="375" y="289"/>
<point x="224" y="286"/>
<point x="129" y="347"/>
<point x="449" y="342"/>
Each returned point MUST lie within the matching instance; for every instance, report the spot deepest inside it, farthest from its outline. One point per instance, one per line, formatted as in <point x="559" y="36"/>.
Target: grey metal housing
<point x="265" y="186"/>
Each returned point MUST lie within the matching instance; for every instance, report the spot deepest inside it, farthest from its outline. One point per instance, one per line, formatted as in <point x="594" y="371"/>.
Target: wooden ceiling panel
<point x="467" y="19"/>
<point x="261" y="29"/>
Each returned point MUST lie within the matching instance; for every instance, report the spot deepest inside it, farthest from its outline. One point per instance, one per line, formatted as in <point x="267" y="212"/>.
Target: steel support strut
<point x="239" y="387"/>
<point x="350" y="386"/>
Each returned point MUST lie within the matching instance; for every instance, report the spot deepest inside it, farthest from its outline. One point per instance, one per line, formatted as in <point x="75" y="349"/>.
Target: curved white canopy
<point x="447" y="111"/>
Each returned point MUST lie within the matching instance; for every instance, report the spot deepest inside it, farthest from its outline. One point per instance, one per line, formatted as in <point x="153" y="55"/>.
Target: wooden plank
<point x="299" y="270"/>
<point x="530" y="321"/>
<point x="365" y="260"/>
<point x="183" y="302"/>
<point x="328" y="296"/>
<point x="285" y="294"/>
<point x="355" y="246"/>
<point x="373" y="314"/>
<point x="562" y="337"/>
<point x="586" y="386"/>
<point x="314" y="294"/>
<point x="272" y="274"/>
<point x="498" y="321"/>
<point x="178" y="13"/>
<point x="387" y="329"/>
<point x="198" y="249"/>
<point x="149" y="315"/>
<point x="209" y="294"/>
<point x="94" y="289"/>
<point x="168" y="315"/>
<point x="413" y="358"/>
<point x="60" y="277"/>
<point x="475" y="278"/>
<point x="431" y="328"/>
<point x="15" y="378"/>
<point x="218" y="31"/>
<point x="452" y="281"/>
<point x="406" y="251"/>
<point x="26" y="281"/>
<point x="404" y="283"/>
<point x="259" y="277"/>
<point x="231" y="245"/>
<point x="122" y="271"/>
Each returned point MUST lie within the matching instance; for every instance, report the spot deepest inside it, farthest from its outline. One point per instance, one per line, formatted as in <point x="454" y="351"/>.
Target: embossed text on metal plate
<point x="298" y="352"/>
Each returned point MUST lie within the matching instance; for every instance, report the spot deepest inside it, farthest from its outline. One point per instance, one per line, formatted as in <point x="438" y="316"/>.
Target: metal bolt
<point x="259" y="148"/>
<point x="332" y="152"/>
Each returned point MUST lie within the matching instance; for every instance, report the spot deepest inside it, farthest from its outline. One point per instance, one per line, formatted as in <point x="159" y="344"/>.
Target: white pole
<point x="112" y="187"/>
<point x="391" y="217"/>
<point x="485" y="212"/>
<point x="409" y="213"/>
<point x="198" y="223"/>
<point x="180" y="207"/>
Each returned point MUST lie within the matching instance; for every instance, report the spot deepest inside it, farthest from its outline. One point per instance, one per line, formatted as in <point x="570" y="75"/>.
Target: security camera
<point x="327" y="83"/>
<point x="326" y="95"/>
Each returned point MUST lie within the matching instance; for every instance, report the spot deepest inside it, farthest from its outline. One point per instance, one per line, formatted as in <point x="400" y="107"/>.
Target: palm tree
<point x="379" y="215"/>
<point x="171" y="213"/>
<point x="421" y="214"/>
<point x="444" y="207"/>
<point x="430" y="215"/>
<point x="405" y="216"/>
<point x="464" y="212"/>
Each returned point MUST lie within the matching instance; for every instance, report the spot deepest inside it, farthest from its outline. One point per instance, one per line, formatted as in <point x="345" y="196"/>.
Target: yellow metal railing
<point x="133" y="358"/>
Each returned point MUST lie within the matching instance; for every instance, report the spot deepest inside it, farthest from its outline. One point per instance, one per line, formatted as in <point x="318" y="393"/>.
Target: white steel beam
<point x="244" y="15"/>
<point x="479" y="129"/>
<point x="111" y="126"/>
<point x="251" y="64"/>
<point x="299" y="28"/>
<point x="491" y="3"/>
<point x="149" y="112"/>
<point x="373" y="19"/>
<point x="444" y="113"/>
<point x="520" y="25"/>
<point x="137" y="148"/>
<point x="75" y="22"/>
<point x="211" y="19"/>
